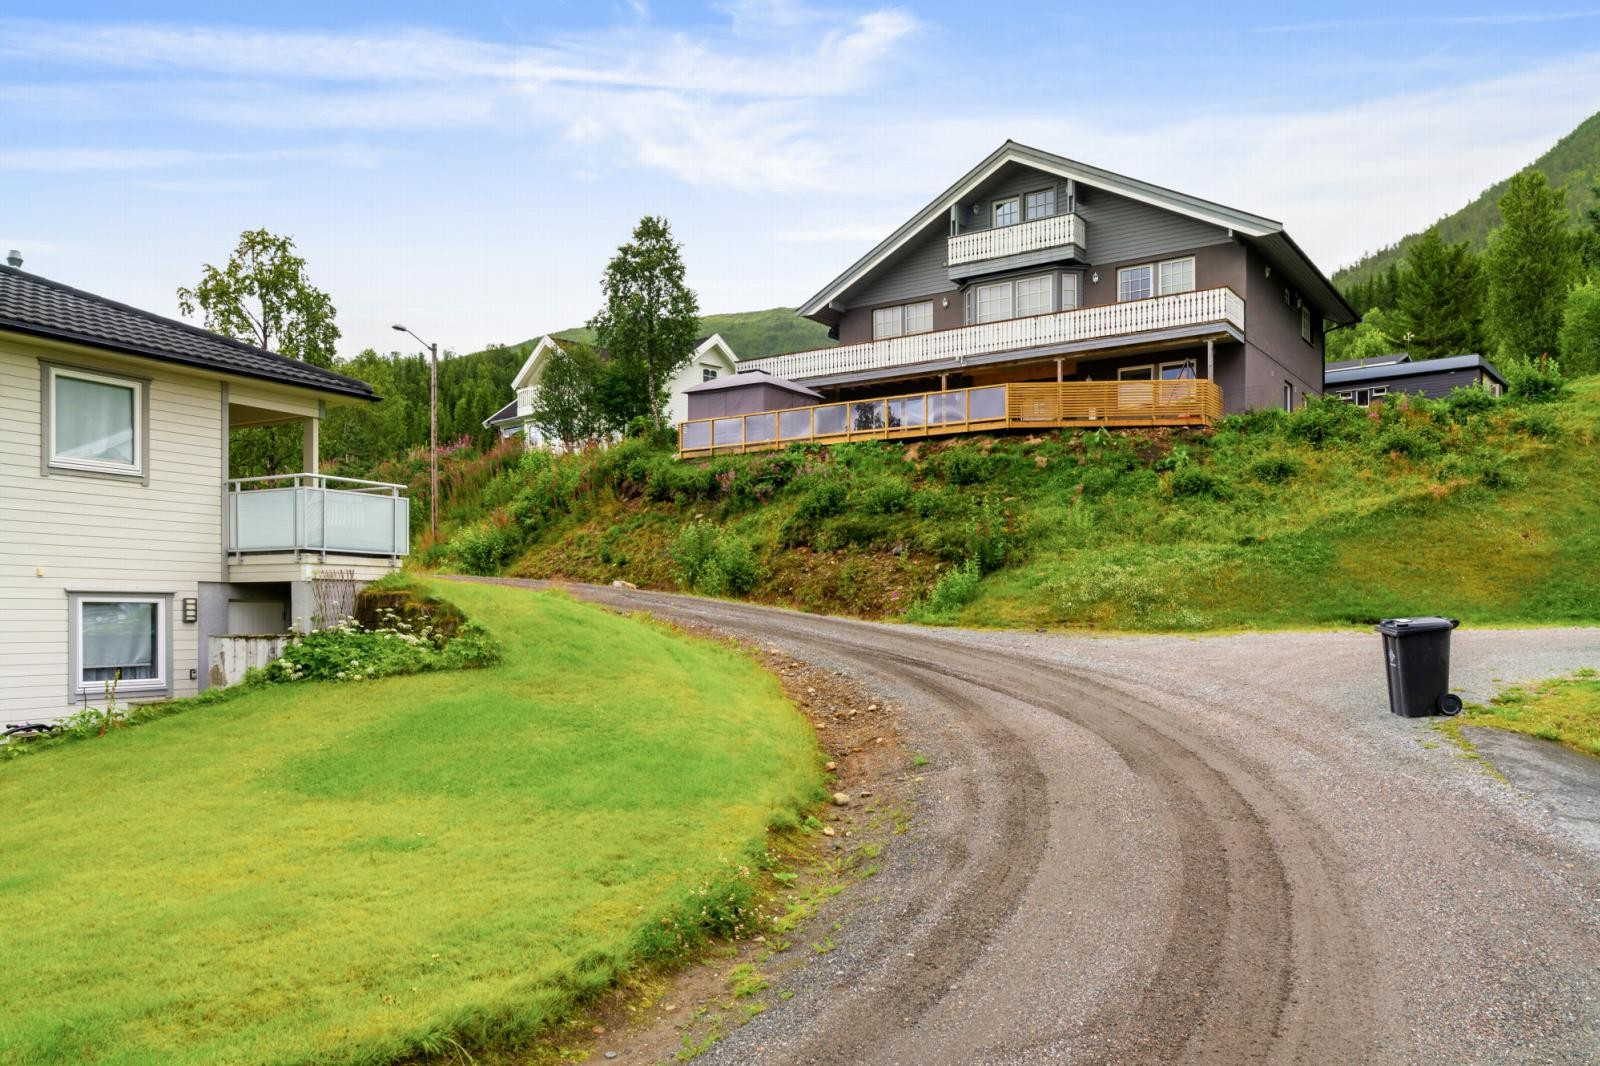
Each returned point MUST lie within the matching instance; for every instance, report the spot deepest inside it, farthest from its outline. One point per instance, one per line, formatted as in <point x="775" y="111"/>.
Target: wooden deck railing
<point x="1221" y="307"/>
<point x="1026" y="405"/>
<point x="997" y="241"/>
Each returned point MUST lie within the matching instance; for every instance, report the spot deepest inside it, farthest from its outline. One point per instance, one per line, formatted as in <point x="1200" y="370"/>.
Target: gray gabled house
<point x="1038" y="291"/>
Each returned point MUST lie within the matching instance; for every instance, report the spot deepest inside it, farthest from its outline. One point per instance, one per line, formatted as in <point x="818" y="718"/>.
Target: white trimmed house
<point x="124" y="544"/>
<point x="712" y="359"/>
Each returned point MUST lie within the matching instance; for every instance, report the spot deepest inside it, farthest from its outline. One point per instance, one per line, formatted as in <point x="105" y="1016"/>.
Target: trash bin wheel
<point x="1450" y="704"/>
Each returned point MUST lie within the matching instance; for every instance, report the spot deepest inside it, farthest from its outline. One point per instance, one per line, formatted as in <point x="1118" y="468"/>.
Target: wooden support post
<point x="1058" y="370"/>
<point x="1211" y="360"/>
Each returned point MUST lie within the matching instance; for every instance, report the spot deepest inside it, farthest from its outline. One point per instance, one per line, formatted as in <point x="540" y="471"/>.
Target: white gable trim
<point x="718" y="349"/>
<point x="1011" y="152"/>
<point x="528" y="376"/>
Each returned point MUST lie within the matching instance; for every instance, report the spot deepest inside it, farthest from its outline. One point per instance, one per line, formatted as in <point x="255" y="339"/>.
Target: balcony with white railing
<point x="316" y="514"/>
<point x="1056" y="231"/>
<point x="1222" y="308"/>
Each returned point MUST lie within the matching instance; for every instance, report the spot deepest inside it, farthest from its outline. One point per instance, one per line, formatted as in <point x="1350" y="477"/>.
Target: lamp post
<point x="433" y="430"/>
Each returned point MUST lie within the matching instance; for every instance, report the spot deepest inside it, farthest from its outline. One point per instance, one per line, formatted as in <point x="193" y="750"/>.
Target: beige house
<point x="124" y="545"/>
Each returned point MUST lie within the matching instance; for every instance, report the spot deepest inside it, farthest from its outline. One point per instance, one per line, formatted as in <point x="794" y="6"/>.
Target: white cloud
<point x="79" y="160"/>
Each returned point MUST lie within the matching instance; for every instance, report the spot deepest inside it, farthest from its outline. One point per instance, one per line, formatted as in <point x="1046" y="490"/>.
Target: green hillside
<point x="1574" y="162"/>
<point x="752" y="334"/>
<point x="1333" y="515"/>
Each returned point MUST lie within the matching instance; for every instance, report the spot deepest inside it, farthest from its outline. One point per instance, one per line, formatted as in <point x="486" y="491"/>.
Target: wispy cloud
<point x="1508" y="18"/>
<point x="78" y="160"/>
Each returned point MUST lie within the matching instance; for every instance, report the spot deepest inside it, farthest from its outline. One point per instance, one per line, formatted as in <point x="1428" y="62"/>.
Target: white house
<point x="126" y="544"/>
<point x="712" y="359"/>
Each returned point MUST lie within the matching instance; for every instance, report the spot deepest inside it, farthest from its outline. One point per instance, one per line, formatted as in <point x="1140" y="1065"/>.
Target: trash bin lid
<point x="1396" y="627"/>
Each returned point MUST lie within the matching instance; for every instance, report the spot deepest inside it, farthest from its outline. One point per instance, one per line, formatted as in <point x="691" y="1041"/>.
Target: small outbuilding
<point x="746" y="393"/>
<point x="1362" y="381"/>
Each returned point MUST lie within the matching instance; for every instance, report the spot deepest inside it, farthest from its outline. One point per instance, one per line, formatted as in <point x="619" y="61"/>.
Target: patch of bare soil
<point x="821" y="871"/>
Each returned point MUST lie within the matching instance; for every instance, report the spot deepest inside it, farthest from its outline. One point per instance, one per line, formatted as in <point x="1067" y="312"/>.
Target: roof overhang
<point x="715" y="346"/>
<point x="1265" y="232"/>
<point x="528" y="375"/>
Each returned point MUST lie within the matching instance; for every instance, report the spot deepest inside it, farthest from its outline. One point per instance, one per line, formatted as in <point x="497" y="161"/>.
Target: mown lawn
<point x="1562" y="709"/>
<point x="360" y="872"/>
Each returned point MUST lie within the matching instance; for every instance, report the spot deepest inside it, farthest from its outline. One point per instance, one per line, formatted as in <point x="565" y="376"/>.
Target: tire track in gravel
<point x="1263" y="959"/>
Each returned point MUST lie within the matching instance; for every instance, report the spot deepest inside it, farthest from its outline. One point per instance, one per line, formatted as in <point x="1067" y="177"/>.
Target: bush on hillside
<point x="823" y="498"/>
<point x="1275" y="469"/>
<point x="955" y="590"/>
<point x="347" y="652"/>
<point x="714" y="562"/>
<point x="1412" y="440"/>
<point x="1197" y="481"/>
<point x="1580" y="329"/>
<point x="1325" y="419"/>
<point x="1468" y="400"/>
<point x="964" y="465"/>
<point x="885" y="495"/>
<point x="484" y="548"/>
<point x="1538" y="380"/>
<point x="1537" y="422"/>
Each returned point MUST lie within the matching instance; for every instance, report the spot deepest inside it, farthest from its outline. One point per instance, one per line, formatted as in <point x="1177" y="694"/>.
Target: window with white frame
<point x="993" y="301"/>
<point x="1288" y="396"/>
<point x="96" y="422"/>
<point x="1305" y="324"/>
<point x="708" y="373"/>
<point x="907" y="318"/>
<point x="1175" y="275"/>
<point x="1136" y="283"/>
<point x="122" y="639"/>
<point x="1034" y="295"/>
<point x="1182" y="370"/>
<point x="1041" y="204"/>
<point x="1069" y="291"/>
<point x="1005" y="212"/>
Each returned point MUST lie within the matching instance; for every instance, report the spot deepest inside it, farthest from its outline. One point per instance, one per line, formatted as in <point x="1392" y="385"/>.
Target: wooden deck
<point x="1029" y="405"/>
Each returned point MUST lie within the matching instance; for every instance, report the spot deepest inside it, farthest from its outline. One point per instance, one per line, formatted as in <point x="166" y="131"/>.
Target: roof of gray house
<point x="39" y="307"/>
<point x="752" y="377"/>
<point x="1362" y="374"/>
<point x="503" y="417"/>
<point x="1269" y="236"/>
<point x="1371" y="360"/>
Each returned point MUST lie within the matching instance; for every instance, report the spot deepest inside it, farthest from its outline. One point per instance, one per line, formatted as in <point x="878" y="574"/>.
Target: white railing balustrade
<point x="1205" y="306"/>
<point x="1055" y="231"/>
<point x="307" y="513"/>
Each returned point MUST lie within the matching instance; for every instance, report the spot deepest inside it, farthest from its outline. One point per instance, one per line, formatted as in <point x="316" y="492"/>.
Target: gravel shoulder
<point x="1171" y="849"/>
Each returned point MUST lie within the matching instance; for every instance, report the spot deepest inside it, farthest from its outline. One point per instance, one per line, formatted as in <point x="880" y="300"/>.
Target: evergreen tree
<point x="1438" y="309"/>
<point x="650" y="320"/>
<point x="1530" y="264"/>
<point x="1588" y="238"/>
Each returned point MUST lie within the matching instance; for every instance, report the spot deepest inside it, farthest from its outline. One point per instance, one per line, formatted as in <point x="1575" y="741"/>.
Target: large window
<point x="907" y="318"/>
<point x="1041" y="204"/>
<point x="119" y="638"/>
<point x="1034" y="296"/>
<point x="1005" y="212"/>
<point x="96" y="422"/>
<point x="1175" y="275"/>
<point x="1135" y="283"/>
<point x="994" y="301"/>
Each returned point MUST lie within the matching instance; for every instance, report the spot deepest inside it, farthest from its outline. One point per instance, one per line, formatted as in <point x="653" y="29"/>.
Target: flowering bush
<point x="347" y="652"/>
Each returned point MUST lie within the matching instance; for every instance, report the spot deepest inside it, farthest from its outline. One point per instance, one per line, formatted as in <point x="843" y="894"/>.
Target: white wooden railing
<point x="1052" y="232"/>
<point x="305" y="512"/>
<point x="1222" y="306"/>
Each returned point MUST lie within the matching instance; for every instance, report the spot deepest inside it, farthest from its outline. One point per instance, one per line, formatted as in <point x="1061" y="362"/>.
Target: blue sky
<point x="469" y="169"/>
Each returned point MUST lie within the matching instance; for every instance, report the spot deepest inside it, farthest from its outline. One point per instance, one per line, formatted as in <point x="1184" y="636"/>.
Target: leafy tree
<point x="567" y="408"/>
<point x="1530" y="263"/>
<point x="263" y="297"/>
<point x="650" y="320"/>
<point x="1372" y="336"/>
<point x="1580" y="329"/>
<point x="1439" y="304"/>
<point x="1588" y="237"/>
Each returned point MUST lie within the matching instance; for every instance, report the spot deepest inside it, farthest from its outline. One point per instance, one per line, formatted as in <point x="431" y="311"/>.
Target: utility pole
<point x="433" y="431"/>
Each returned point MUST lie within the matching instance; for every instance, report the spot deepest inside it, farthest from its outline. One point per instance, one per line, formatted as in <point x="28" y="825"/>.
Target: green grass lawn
<point x="360" y="872"/>
<point x="1563" y="709"/>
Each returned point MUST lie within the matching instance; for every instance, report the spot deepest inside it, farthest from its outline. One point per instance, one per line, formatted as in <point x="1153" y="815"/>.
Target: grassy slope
<point x="1573" y="162"/>
<point x="753" y="334"/>
<point x="1563" y="709"/>
<point x="1497" y="524"/>
<point x="348" y="873"/>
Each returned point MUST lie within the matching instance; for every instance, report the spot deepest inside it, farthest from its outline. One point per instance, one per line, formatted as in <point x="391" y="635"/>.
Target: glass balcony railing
<point x="308" y="513"/>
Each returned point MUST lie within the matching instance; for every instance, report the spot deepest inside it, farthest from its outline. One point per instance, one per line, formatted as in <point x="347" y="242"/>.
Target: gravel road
<point x="1165" y="849"/>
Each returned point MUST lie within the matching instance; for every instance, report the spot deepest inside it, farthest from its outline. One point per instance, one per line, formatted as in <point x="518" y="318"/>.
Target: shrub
<point x="887" y="495"/>
<point x="1467" y="401"/>
<point x="990" y="539"/>
<point x="1275" y="469"/>
<point x="964" y="465"/>
<point x="1196" y="481"/>
<point x="1322" y="419"/>
<point x="1580" y="329"/>
<point x="1537" y="422"/>
<point x="824" y="498"/>
<point x="1410" y="440"/>
<point x="714" y="562"/>
<point x="346" y="652"/>
<point x="954" y="591"/>
<point x="483" y="548"/>
<point x="1538" y="379"/>
<point x="1262" y="420"/>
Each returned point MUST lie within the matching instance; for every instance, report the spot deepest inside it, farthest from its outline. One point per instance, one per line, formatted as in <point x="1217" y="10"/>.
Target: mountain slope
<point x="752" y="334"/>
<point x="1573" y="162"/>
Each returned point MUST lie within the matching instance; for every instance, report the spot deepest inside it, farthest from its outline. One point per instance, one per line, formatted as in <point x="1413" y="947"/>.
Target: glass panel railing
<point x="727" y="432"/>
<point x="795" y="425"/>
<point x="318" y="519"/>
<point x="986" y="403"/>
<point x="946" y="407"/>
<point x="356" y="522"/>
<point x="830" y="419"/>
<point x="264" y="520"/>
<point x="866" y="416"/>
<point x="692" y="436"/>
<point x="908" y="413"/>
<point x="760" y="429"/>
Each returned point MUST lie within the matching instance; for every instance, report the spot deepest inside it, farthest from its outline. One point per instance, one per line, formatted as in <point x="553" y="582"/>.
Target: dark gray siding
<point x="1012" y="181"/>
<point x="1120" y="229"/>
<point x="744" y="400"/>
<point x="1434" y="384"/>
<point x="1215" y="265"/>
<point x="918" y="271"/>
<point x="1275" y="352"/>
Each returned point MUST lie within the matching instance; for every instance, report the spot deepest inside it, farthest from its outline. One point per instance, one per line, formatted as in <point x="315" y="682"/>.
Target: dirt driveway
<point x="1165" y="849"/>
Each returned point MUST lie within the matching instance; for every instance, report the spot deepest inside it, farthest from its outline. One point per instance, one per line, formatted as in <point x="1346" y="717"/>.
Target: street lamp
<point x="433" y="429"/>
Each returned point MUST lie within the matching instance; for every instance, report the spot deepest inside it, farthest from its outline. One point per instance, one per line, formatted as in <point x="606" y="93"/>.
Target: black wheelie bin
<point x="1416" y="654"/>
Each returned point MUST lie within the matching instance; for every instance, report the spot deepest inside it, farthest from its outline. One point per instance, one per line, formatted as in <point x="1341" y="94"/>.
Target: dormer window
<point x="1005" y="212"/>
<point x="1041" y="204"/>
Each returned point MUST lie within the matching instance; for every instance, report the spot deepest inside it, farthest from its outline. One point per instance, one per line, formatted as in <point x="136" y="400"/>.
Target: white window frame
<point x="1070" y="279"/>
<point x="906" y="309"/>
<point x="1027" y="208"/>
<point x="53" y="374"/>
<point x="161" y="684"/>
<point x="977" y="301"/>
<point x="1161" y="286"/>
<point x="1048" y="289"/>
<point x="1124" y="272"/>
<point x="708" y="373"/>
<point x="1305" y="323"/>
<point x="898" y="315"/>
<point x="1288" y="396"/>
<point x="994" y="211"/>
